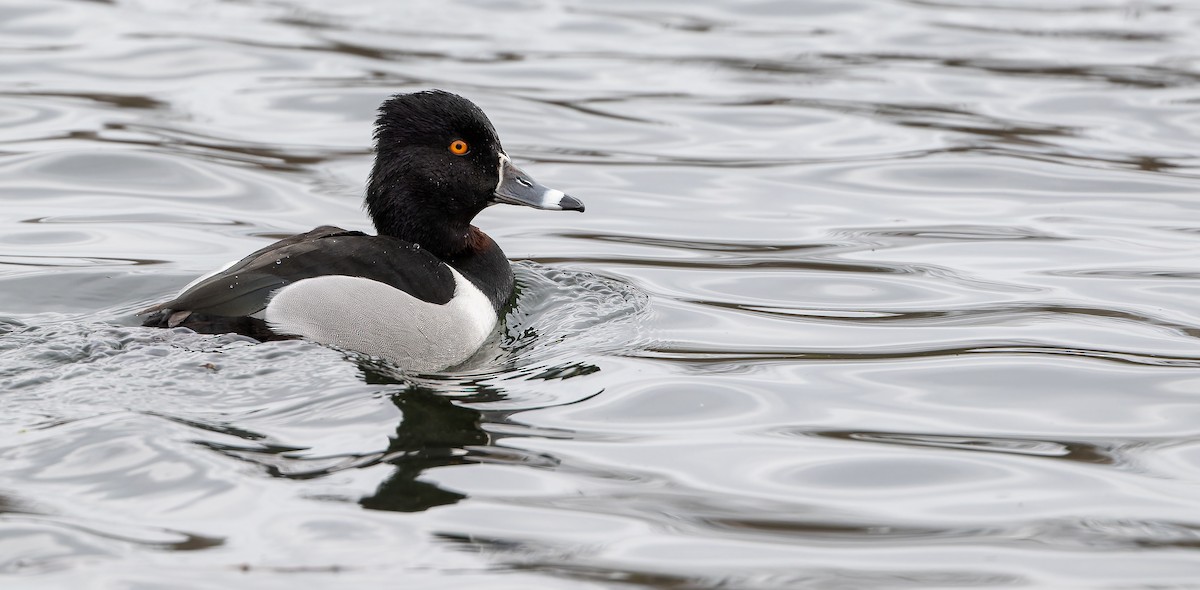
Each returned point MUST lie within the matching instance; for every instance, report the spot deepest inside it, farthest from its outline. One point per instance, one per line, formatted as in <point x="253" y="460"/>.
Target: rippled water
<point x="869" y="294"/>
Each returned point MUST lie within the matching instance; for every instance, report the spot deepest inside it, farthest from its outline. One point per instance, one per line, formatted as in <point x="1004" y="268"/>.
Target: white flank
<point x="367" y="316"/>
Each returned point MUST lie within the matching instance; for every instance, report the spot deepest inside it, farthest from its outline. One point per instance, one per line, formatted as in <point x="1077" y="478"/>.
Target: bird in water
<point x="424" y="293"/>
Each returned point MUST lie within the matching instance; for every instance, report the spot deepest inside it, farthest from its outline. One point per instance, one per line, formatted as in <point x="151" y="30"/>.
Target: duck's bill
<point x="517" y="188"/>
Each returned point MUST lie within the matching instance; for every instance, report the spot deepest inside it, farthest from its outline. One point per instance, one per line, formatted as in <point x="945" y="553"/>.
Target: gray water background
<point x="868" y="294"/>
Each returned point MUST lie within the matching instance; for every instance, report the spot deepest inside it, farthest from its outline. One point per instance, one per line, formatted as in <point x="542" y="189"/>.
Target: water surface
<point x="868" y="294"/>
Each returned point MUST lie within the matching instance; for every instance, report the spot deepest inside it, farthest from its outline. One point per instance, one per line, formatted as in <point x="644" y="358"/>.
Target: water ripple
<point x="868" y="294"/>
<point x="729" y="357"/>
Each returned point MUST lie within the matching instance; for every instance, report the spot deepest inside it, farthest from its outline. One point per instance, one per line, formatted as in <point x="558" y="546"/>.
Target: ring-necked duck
<point x="427" y="291"/>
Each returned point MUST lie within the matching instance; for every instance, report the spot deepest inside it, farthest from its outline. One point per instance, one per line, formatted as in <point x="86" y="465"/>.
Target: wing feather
<point x="244" y="288"/>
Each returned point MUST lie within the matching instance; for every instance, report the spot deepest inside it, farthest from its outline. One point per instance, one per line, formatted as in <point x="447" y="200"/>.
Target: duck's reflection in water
<point x="438" y="429"/>
<point x="434" y="432"/>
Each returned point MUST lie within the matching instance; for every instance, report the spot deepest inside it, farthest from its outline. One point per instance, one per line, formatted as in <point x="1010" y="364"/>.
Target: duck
<point x="427" y="290"/>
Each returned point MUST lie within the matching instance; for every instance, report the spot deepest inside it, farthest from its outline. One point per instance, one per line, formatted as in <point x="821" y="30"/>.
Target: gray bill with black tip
<point x="517" y="188"/>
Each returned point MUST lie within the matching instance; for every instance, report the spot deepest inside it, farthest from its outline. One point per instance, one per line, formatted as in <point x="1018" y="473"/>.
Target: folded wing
<point x="245" y="288"/>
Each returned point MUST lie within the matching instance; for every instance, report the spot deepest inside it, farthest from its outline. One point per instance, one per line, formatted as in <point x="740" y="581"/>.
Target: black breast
<point x="484" y="264"/>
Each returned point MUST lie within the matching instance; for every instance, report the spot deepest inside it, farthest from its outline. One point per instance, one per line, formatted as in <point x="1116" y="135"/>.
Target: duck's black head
<point x="438" y="163"/>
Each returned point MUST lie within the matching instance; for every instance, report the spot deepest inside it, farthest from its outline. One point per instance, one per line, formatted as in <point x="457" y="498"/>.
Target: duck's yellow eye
<point x="459" y="147"/>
